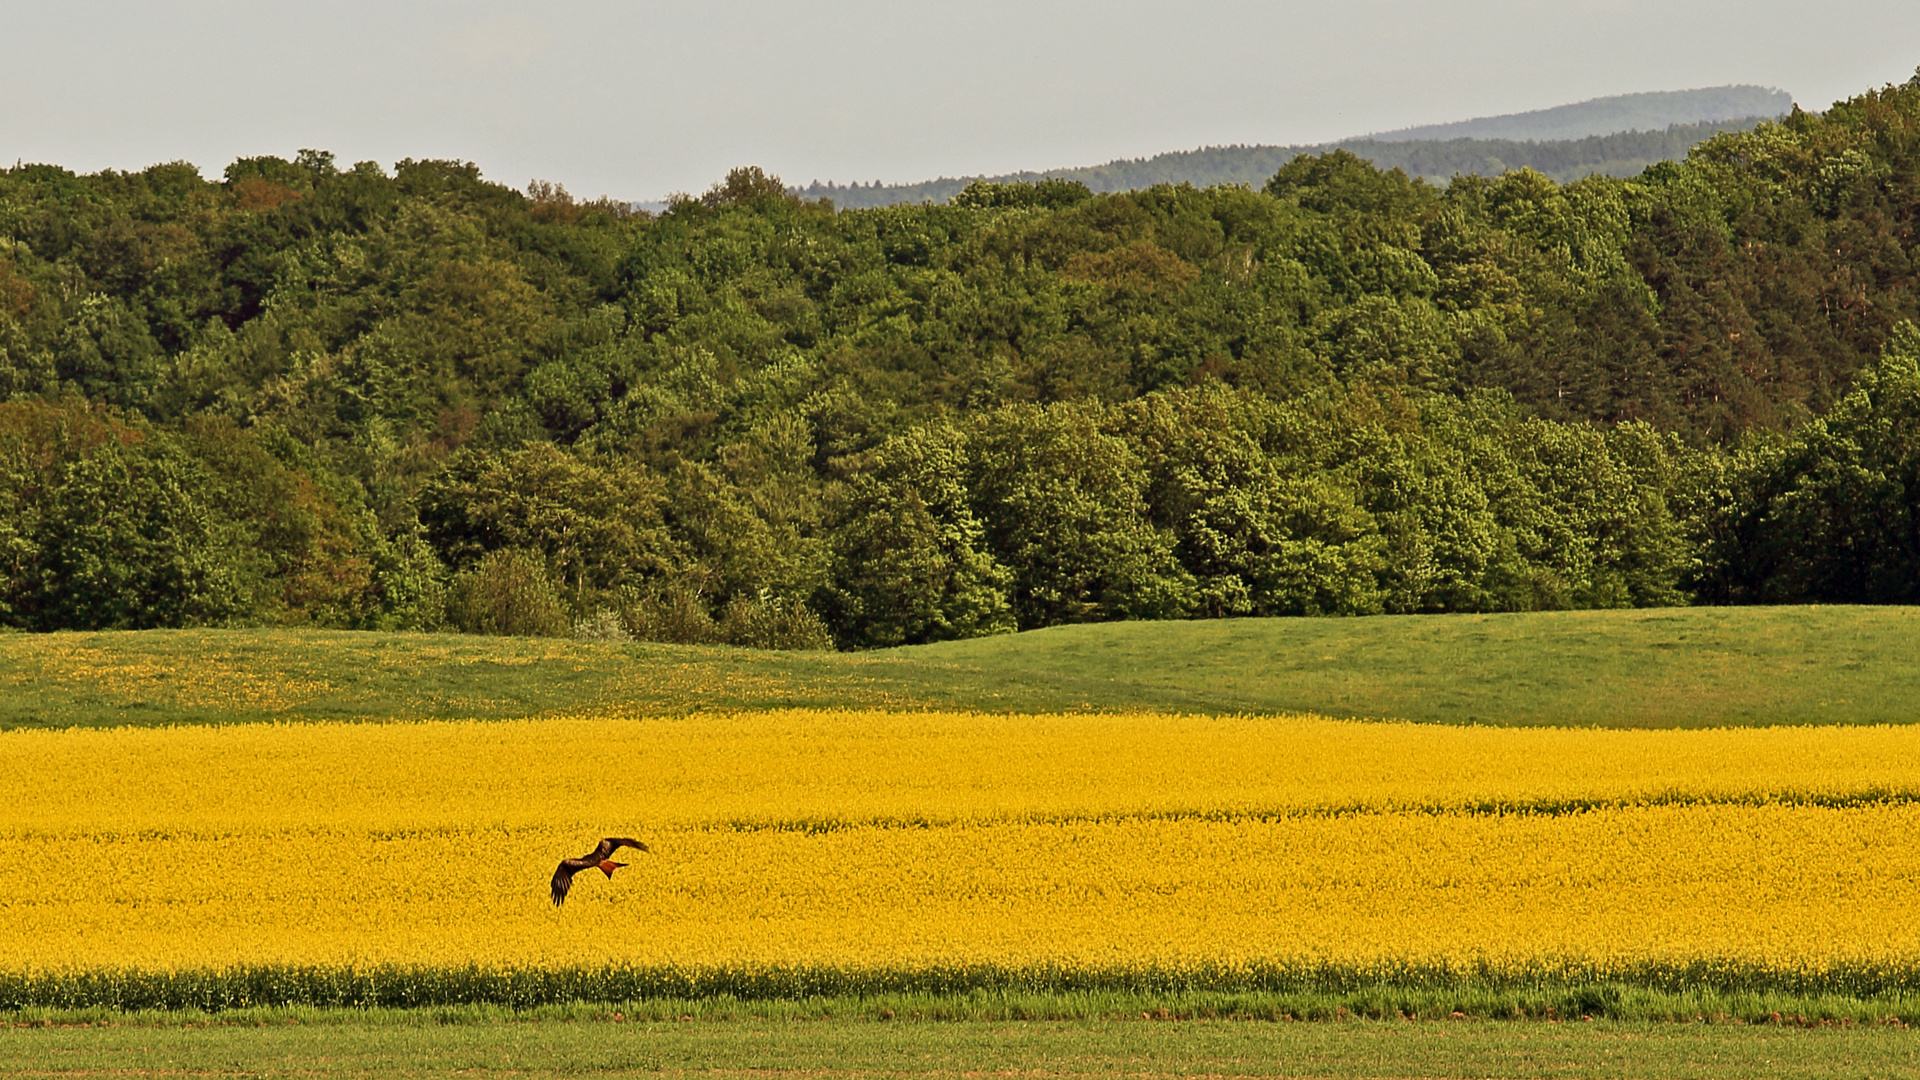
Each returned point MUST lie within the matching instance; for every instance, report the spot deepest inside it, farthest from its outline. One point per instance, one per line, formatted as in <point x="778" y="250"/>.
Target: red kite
<point x="563" y="877"/>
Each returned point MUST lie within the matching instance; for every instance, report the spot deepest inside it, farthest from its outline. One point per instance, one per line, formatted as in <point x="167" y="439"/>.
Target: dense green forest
<point x="316" y="395"/>
<point x="1624" y="154"/>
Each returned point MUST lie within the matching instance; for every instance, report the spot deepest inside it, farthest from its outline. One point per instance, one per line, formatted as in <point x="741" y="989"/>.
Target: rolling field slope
<point x="1655" y="668"/>
<point x="1670" y="667"/>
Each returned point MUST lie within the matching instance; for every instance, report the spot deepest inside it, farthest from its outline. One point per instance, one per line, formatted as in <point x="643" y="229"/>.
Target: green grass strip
<point x="1609" y="1001"/>
<point x="583" y="1044"/>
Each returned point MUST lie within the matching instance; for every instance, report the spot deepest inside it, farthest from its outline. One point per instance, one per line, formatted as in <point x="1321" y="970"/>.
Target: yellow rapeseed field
<point x="895" y="841"/>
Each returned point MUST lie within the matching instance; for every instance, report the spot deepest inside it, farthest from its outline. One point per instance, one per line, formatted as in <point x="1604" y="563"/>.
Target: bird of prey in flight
<point x="598" y="857"/>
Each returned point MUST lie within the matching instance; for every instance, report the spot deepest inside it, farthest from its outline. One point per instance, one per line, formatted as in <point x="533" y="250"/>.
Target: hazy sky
<point x="636" y="99"/>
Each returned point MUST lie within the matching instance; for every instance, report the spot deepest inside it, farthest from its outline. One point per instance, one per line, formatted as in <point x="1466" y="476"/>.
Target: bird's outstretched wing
<point x="612" y="844"/>
<point x="563" y="879"/>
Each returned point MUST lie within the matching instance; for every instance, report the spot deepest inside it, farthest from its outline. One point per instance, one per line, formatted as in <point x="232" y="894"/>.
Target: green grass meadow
<point x="1671" y="667"/>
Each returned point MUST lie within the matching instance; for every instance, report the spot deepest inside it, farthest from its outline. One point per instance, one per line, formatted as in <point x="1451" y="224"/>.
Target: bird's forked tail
<point x="608" y="866"/>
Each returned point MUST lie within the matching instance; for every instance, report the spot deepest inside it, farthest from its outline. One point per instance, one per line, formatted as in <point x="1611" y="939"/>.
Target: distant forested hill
<point x="1622" y="155"/>
<point x="1651" y="111"/>
<point x="407" y="397"/>
<point x="1611" y="136"/>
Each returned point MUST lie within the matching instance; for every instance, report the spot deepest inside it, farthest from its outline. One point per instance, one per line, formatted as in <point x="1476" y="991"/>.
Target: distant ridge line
<point x="1646" y="111"/>
<point x="1621" y="155"/>
<point x="1645" y="135"/>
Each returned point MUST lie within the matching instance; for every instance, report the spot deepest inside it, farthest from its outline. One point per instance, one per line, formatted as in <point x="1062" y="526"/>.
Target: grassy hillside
<point x="1673" y="667"/>
<point x="1689" y="667"/>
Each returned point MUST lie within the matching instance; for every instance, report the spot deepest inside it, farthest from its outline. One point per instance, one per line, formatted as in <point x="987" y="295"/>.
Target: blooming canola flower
<point x="895" y="841"/>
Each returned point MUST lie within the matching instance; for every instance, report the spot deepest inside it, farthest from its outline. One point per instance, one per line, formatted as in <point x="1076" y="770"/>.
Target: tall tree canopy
<point x="354" y="396"/>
